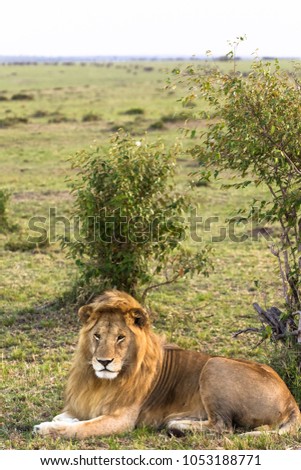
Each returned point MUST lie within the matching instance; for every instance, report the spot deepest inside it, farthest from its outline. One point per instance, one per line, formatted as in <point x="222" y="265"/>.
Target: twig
<point x="246" y="330"/>
<point x="298" y="312"/>
<point x="280" y="330"/>
<point x="276" y="253"/>
<point x="271" y="317"/>
<point x="90" y="298"/>
<point x="299" y="329"/>
<point x="46" y="305"/>
<point x="155" y="286"/>
<point x="285" y="335"/>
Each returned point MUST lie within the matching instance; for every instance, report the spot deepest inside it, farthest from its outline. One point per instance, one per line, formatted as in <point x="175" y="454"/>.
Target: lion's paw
<point x="57" y="428"/>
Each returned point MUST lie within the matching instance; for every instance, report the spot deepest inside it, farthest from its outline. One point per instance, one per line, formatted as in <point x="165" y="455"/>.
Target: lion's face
<point x="111" y="346"/>
<point x="109" y="337"/>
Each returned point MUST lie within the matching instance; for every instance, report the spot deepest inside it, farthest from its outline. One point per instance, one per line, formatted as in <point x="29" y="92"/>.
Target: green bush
<point x="157" y="126"/>
<point x="256" y="135"/>
<point x="39" y="114"/>
<point x="134" y="111"/>
<point x="59" y="118"/>
<point x="131" y="220"/>
<point x="11" y="121"/>
<point x="90" y="117"/>
<point x="176" y="117"/>
<point x="286" y="361"/>
<point x="22" y="97"/>
<point x="21" y="243"/>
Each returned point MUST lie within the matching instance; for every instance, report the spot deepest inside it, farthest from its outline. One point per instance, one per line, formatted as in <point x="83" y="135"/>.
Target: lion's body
<point x="230" y="392"/>
<point x="176" y="391"/>
<point x="123" y="375"/>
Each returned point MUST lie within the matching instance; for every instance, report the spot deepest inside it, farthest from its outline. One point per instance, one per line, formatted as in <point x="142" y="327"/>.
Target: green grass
<point x="39" y="325"/>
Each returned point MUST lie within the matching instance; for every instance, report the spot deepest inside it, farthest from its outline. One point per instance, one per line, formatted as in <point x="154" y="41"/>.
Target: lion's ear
<point x="84" y="313"/>
<point x="139" y="316"/>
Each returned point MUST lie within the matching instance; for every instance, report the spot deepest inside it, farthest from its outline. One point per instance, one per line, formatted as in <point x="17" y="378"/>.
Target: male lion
<point x="124" y="375"/>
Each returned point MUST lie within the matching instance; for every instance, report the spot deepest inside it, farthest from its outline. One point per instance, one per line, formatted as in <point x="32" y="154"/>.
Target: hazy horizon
<point x="124" y="58"/>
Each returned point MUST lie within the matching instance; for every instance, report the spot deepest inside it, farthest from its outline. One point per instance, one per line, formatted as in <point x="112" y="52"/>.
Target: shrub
<point x="39" y="114"/>
<point x="22" y="97"/>
<point x="157" y="126"/>
<point x="256" y="134"/>
<point x="90" y="117"/>
<point x="11" y="121"/>
<point x="18" y="243"/>
<point x="134" y="111"/>
<point x="176" y="117"/>
<point x="286" y="360"/>
<point x="125" y="127"/>
<point x="131" y="219"/>
<point x="59" y="118"/>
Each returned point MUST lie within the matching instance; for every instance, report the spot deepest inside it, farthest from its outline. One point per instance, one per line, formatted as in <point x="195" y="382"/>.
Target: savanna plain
<point x="48" y="112"/>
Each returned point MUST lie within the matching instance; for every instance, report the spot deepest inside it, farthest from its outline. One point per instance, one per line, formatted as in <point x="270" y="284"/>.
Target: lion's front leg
<point x="121" y="421"/>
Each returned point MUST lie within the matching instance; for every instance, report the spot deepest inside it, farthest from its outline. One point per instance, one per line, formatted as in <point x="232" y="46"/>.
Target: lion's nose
<point x="104" y="362"/>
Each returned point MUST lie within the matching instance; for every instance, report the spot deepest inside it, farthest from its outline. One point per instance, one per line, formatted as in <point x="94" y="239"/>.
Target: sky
<point x="149" y="27"/>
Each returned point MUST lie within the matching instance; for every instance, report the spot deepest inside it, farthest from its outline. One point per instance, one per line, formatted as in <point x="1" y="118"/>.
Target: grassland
<point x="63" y="110"/>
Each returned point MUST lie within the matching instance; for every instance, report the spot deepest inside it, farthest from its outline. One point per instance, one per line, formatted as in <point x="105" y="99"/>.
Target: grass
<point x="39" y="325"/>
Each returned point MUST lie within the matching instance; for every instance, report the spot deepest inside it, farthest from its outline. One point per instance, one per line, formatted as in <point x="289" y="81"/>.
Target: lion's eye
<point x="97" y="337"/>
<point x="120" y="338"/>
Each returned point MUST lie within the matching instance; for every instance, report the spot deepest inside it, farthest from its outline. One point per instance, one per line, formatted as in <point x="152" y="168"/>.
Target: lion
<point x="124" y="375"/>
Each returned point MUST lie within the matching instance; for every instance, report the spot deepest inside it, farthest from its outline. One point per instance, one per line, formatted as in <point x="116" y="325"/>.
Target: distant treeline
<point x="105" y="60"/>
<point x="32" y="60"/>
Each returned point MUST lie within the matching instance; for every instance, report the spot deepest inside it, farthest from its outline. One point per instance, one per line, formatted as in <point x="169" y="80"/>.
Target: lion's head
<point x="112" y="324"/>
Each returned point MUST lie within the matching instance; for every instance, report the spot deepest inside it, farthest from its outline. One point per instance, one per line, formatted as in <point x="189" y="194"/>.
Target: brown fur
<point x="147" y="382"/>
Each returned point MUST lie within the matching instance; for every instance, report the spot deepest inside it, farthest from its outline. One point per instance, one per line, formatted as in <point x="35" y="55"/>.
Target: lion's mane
<point x="87" y="396"/>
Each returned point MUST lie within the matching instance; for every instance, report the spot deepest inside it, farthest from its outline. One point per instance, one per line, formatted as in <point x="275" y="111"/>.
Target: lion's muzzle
<point x="105" y="368"/>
